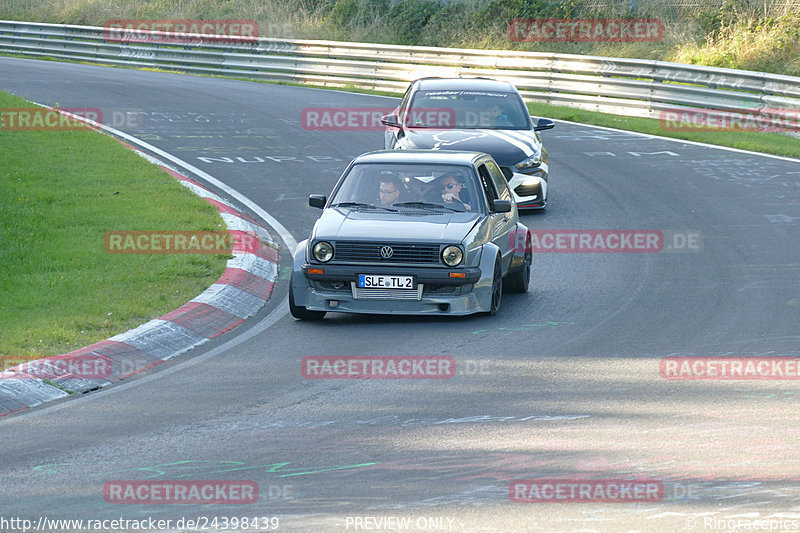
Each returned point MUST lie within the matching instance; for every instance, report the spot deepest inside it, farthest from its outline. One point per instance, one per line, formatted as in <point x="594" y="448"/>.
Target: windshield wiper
<point x="425" y="205"/>
<point x="361" y="204"/>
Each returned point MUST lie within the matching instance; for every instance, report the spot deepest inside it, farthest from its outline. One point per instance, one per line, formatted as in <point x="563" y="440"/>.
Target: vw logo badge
<point x="386" y="252"/>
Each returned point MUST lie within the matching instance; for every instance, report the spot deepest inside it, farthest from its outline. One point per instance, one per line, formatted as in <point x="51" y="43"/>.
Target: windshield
<point x="472" y="109"/>
<point x="408" y="186"/>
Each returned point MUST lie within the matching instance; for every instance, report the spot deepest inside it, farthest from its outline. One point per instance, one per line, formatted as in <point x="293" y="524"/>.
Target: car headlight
<point x="531" y="162"/>
<point x="323" y="251"/>
<point x="452" y="256"/>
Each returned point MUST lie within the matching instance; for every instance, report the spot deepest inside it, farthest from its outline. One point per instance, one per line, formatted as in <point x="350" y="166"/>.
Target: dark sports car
<point x="475" y="114"/>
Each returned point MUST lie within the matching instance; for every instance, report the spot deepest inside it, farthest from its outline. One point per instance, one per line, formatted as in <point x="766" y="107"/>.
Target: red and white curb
<point x="239" y="293"/>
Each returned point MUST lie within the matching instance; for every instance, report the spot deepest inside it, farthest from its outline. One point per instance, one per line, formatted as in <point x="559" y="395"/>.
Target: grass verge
<point x="60" y="192"/>
<point x="768" y="143"/>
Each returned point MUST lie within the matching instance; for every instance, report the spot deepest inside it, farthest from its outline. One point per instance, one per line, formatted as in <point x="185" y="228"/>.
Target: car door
<point x="500" y="224"/>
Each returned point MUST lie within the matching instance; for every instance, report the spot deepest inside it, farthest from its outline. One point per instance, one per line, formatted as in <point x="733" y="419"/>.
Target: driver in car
<point x="498" y="116"/>
<point x="452" y="191"/>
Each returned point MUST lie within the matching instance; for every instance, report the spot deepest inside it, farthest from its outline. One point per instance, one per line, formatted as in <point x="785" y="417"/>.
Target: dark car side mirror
<point x="317" y="200"/>
<point x="390" y="120"/>
<point x="501" y="206"/>
<point x="544" y="124"/>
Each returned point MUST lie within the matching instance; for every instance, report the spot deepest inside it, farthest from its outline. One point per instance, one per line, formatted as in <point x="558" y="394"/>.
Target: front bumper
<point x="426" y="276"/>
<point x="334" y="290"/>
<point x="530" y="189"/>
<point x="320" y="300"/>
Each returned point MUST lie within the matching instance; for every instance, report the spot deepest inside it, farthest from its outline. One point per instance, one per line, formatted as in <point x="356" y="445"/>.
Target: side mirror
<point x="544" y="124"/>
<point x="501" y="206"/>
<point x="390" y="120"/>
<point x="317" y="200"/>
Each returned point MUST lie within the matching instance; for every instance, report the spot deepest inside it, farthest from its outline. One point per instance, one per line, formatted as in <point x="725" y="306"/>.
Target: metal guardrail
<point x="631" y="87"/>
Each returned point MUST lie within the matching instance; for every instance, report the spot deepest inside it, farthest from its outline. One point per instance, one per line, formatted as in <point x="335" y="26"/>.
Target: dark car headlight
<point x="532" y="162"/>
<point x="323" y="251"/>
<point x="452" y="256"/>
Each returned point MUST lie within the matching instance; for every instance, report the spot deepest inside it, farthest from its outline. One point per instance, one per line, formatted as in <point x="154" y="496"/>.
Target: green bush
<point x="712" y="20"/>
<point x="352" y="14"/>
<point x="505" y="10"/>
<point x="407" y="20"/>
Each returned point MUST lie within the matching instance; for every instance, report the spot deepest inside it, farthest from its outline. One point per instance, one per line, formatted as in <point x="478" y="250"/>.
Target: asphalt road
<point x="564" y="382"/>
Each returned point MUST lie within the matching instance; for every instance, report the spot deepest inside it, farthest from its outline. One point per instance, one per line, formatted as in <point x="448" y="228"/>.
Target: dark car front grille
<point x="370" y="252"/>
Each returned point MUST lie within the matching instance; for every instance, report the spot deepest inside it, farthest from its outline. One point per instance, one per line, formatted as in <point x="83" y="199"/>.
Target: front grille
<point x="507" y="172"/>
<point x="386" y="294"/>
<point x="370" y="252"/>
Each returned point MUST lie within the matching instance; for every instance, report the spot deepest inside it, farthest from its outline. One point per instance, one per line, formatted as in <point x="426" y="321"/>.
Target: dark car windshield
<point x="468" y="109"/>
<point x="426" y="187"/>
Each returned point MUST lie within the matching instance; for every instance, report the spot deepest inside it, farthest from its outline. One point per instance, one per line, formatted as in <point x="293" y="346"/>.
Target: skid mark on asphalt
<point x="524" y="327"/>
<point x="394" y="420"/>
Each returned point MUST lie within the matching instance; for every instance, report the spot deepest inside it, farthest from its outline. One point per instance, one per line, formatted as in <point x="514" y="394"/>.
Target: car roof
<point x="420" y="156"/>
<point x="474" y="84"/>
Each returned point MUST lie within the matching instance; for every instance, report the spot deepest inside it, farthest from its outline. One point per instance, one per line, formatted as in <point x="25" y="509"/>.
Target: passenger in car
<point x="390" y="190"/>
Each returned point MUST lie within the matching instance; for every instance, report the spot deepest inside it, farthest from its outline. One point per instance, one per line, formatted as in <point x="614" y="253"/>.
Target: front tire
<point x="300" y="312"/>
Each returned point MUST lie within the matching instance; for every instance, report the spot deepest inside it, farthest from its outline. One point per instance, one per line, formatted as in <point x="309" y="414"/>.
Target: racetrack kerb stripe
<point x="184" y="328"/>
